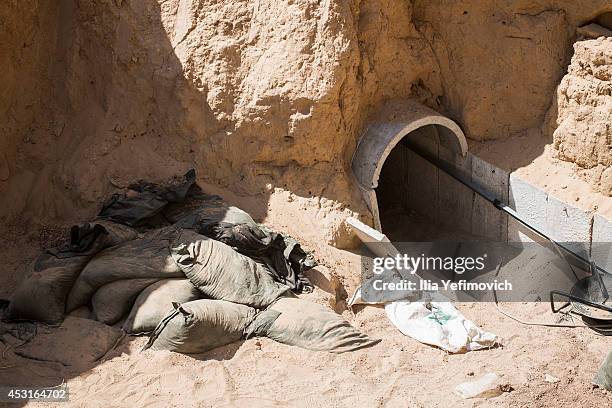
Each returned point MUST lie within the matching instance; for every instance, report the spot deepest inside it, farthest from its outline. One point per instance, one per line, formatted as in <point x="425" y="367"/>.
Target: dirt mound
<point x="584" y="135"/>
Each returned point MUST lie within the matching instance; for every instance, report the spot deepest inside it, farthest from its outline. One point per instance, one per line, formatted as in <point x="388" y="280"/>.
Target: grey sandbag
<point x="603" y="378"/>
<point x="144" y="258"/>
<point x="114" y="301"/>
<point x="283" y="255"/>
<point x="301" y="323"/>
<point x="144" y="203"/>
<point x="201" y="325"/>
<point x="202" y="210"/>
<point x="222" y="273"/>
<point x="203" y="217"/>
<point x="42" y="295"/>
<point x="153" y="303"/>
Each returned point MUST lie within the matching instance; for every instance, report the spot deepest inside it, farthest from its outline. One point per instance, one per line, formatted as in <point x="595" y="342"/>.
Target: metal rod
<point x="442" y="165"/>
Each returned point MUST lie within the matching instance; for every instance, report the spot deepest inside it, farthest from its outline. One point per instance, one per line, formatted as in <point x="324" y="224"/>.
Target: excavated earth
<point x="267" y="100"/>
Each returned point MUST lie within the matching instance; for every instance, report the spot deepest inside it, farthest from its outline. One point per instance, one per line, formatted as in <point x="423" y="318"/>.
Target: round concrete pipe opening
<point x="429" y="129"/>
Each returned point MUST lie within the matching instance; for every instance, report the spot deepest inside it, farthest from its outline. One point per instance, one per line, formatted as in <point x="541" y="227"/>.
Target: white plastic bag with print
<point x="439" y="323"/>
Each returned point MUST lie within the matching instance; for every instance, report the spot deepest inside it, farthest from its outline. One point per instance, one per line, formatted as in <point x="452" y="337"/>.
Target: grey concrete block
<point x="490" y="178"/>
<point x="559" y="220"/>
<point x="568" y="224"/>
<point x="530" y="202"/>
<point x="601" y="245"/>
<point x="518" y="233"/>
<point x="455" y="208"/>
<point x="423" y="186"/>
<point x="602" y="229"/>
<point x="455" y="203"/>
<point x="393" y="185"/>
<point x="462" y="165"/>
<point x="488" y="221"/>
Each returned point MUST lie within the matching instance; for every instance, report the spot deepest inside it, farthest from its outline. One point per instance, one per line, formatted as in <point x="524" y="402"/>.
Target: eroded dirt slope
<point x="255" y="95"/>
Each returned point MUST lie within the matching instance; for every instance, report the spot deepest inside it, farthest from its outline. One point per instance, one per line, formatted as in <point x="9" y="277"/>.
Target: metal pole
<point x="442" y="165"/>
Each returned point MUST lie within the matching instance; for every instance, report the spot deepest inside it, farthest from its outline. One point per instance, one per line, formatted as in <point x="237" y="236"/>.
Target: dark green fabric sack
<point x="154" y="302"/>
<point x="144" y="203"/>
<point x="113" y="301"/>
<point x="42" y="295"/>
<point x="301" y="323"/>
<point x="201" y="325"/>
<point x="222" y="273"/>
<point x="282" y="255"/>
<point x="144" y="258"/>
<point x="603" y="378"/>
<point x="202" y="210"/>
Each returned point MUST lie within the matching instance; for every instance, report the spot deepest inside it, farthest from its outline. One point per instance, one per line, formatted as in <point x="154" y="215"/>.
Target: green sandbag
<point x="153" y="303"/>
<point x="201" y="325"/>
<point x="301" y="323"/>
<point x="235" y="215"/>
<point x="114" y="301"/>
<point x="144" y="258"/>
<point x="42" y="295"/>
<point x="204" y="216"/>
<point x="204" y="210"/>
<point x="222" y="273"/>
<point x="603" y="378"/>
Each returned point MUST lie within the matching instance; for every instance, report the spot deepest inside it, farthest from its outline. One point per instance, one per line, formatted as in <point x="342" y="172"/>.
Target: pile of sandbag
<point x="237" y="288"/>
<point x="298" y="322"/>
<point x="201" y="325"/>
<point x="42" y="295"/>
<point x="153" y="303"/>
<point x="186" y="267"/>
<point x="222" y="273"/>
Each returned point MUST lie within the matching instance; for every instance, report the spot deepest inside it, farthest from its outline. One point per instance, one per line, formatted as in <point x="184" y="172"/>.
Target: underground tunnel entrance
<point x="411" y="199"/>
<point x="419" y="202"/>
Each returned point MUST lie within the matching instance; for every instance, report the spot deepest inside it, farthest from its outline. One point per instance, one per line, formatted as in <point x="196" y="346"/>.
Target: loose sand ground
<point x="398" y="372"/>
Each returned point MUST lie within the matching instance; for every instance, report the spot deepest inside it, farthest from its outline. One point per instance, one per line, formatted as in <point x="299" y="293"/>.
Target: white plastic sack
<point x="439" y="324"/>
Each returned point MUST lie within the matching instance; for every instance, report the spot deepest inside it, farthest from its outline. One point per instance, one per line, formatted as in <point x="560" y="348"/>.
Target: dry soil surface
<point x="398" y="372"/>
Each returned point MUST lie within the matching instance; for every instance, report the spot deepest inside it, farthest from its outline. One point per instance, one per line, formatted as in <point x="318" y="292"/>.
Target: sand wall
<point x="253" y="94"/>
<point x="584" y="113"/>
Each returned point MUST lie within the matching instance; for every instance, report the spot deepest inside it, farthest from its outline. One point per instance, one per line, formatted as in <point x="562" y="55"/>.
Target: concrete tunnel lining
<point x="394" y="122"/>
